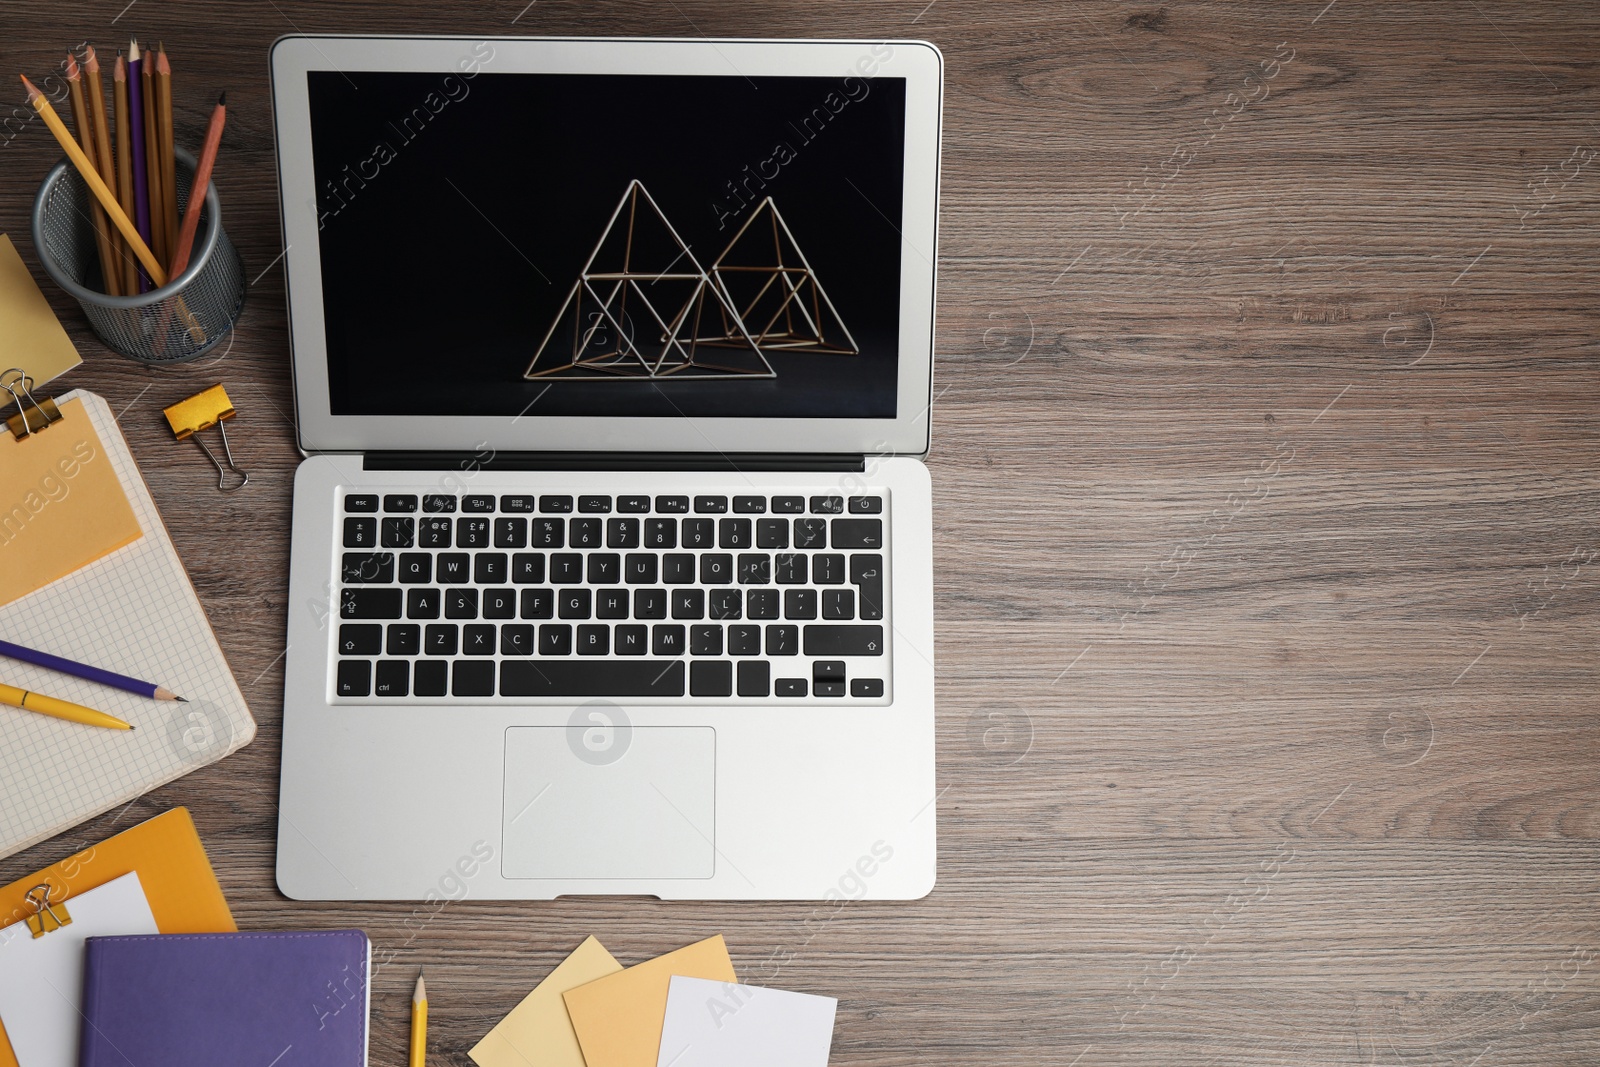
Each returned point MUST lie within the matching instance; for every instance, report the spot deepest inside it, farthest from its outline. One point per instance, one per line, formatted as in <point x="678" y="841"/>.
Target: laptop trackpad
<point x="599" y="800"/>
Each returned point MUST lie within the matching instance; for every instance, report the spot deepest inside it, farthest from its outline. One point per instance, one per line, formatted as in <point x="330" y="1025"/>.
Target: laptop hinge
<point x="490" y="460"/>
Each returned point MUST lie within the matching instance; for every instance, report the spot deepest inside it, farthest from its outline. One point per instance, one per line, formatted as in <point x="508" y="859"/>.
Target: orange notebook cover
<point x="183" y="892"/>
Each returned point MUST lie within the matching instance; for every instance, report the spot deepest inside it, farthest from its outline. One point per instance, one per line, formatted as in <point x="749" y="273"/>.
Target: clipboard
<point x="42" y="967"/>
<point x="179" y="884"/>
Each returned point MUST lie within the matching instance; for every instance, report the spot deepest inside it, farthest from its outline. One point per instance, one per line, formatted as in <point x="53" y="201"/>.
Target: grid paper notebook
<point x="134" y="612"/>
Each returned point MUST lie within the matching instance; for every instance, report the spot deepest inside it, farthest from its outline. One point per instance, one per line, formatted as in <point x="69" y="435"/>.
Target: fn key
<point x="355" y="678"/>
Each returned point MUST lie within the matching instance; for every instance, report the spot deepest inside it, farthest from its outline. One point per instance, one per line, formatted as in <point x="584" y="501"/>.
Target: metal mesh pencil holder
<point x="180" y="321"/>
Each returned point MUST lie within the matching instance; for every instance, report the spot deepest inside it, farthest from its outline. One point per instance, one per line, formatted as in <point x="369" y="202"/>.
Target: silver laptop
<point x="611" y="567"/>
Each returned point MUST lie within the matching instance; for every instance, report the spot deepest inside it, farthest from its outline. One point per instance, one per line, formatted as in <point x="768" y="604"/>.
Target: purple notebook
<point x="291" y="999"/>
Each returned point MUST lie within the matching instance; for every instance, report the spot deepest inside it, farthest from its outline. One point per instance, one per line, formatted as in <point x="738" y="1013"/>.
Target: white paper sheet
<point x="41" y="979"/>
<point x="718" y="1024"/>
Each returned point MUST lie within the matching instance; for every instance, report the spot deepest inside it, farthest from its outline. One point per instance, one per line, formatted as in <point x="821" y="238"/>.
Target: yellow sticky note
<point x="34" y="338"/>
<point x="61" y="505"/>
<point x="618" y="1018"/>
<point x="538" y="1033"/>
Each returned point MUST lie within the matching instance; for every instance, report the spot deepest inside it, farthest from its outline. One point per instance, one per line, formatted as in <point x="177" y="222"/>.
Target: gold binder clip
<point x="47" y="916"/>
<point x="201" y="412"/>
<point x="32" y="415"/>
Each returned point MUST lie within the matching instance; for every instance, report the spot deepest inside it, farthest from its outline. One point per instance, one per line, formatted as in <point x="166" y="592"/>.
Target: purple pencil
<point x="83" y="670"/>
<point x="141" y="183"/>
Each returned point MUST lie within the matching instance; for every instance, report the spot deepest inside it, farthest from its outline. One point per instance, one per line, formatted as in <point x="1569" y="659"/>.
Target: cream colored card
<point x="61" y="504"/>
<point x="618" y="1018"/>
<point x="34" y="339"/>
<point x="537" y="1032"/>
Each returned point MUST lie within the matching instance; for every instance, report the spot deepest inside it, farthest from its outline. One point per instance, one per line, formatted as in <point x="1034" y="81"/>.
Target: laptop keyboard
<point x="743" y="598"/>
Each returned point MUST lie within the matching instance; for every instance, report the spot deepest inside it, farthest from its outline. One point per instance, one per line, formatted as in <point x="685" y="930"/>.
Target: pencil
<point x="104" y="162"/>
<point x="60" y="709"/>
<point x="419" y="1024"/>
<point x="197" y="188"/>
<point x="85" y="131"/>
<point x="86" y="672"/>
<point x="169" y="163"/>
<point x="141" y="180"/>
<point x="119" y="98"/>
<point x="96" y="186"/>
<point x="152" y="160"/>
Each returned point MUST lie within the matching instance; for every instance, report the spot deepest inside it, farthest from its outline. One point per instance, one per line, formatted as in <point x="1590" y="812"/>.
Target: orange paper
<point x="61" y="505"/>
<point x="173" y="870"/>
<point x="618" y="1018"/>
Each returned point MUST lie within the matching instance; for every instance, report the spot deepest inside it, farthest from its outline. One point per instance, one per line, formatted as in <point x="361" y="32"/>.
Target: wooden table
<point x="1267" y="563"/>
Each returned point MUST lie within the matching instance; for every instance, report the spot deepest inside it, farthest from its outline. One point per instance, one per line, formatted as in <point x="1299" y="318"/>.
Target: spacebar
<point x="591" y="678"/>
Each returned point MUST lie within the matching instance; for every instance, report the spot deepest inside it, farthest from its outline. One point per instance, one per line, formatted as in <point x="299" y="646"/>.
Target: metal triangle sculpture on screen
<point x="779" y="301"/>
<point x="637" y="306"/>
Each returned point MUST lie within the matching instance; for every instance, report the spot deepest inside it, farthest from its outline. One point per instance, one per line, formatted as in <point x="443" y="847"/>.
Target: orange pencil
<point x="80" y="122"/>
<point x="197" y="188"/>
<point x="152" y="160"/>
<point x="86" y="170"/>
<point x="119" y="100"/>
<point x="164" y="140"/>
<point x="104" y="162"/>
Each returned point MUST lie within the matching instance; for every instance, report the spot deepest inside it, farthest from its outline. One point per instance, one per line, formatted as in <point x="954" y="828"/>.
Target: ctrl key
<point x="393" y="678"/>
<point x="355" y="678"/>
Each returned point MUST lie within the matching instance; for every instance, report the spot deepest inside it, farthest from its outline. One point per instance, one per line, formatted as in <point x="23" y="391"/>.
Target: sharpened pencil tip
<point x="222" y="100"/>
<point x="181" y="700"/>
<point x="419" y="994"/>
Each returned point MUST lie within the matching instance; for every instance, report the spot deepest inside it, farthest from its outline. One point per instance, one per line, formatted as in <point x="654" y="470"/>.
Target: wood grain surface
<point x="1268" y="573"/>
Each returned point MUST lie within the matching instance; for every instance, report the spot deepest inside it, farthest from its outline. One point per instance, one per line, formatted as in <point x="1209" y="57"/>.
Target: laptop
<point x="611" y="565"/>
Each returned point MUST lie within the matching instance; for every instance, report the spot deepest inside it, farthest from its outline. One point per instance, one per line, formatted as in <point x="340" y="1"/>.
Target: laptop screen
<point x="609" y="245"/>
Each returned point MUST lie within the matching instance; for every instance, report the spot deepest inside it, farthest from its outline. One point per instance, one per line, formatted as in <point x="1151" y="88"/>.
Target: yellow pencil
<point x="86" y="169"/>
<point x="419" y="1024"/>
<point x="61" y="709"/>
